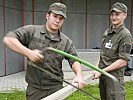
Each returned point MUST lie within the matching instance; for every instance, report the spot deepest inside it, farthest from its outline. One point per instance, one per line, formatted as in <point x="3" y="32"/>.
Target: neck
<point x="51" y="30"/>
<point x="116" y="26"/>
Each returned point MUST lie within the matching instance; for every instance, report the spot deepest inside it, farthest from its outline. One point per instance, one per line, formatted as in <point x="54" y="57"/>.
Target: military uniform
<point x="37" y="37"/>
<point x="115" y="45"/>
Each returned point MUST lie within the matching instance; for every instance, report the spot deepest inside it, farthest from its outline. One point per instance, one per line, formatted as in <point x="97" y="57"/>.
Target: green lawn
<point x="93" y="89"/>
<point x="14" y="95"/>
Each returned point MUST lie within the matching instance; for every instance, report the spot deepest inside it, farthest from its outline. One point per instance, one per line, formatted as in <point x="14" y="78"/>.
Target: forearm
<point x="116" y="65"/>
<point x="79" y="79"/>
<point x="77" y="69"/>
<point x="97" y="62"/>
<point x="15" y="45"/>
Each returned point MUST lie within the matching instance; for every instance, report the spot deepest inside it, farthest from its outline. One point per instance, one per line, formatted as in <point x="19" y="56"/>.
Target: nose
<point x="57" y="20"/>
<point x="113" y="16"/>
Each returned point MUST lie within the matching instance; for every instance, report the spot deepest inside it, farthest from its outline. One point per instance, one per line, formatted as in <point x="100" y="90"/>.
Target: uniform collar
<point x="45" y="31"/>
<point x="115" y="30"/>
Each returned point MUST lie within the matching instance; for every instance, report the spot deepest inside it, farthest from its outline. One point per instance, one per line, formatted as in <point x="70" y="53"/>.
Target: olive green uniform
<point x="37" y="37"/>
<point x="115" y="45"/>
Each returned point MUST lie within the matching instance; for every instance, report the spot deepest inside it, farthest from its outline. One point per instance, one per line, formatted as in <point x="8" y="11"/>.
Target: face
<point x="54" y="22"/>
<point x="117" y="18"/>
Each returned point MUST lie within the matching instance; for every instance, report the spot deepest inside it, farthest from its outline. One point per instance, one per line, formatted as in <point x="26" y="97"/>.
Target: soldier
<point x="30" y="40"/>
<point x="114" y="53"/>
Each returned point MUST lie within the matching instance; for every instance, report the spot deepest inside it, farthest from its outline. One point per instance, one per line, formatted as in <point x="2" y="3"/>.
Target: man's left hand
<point x="80" y="82"/>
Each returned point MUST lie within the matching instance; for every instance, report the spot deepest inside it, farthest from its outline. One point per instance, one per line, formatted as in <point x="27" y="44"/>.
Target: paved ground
<point x="13" y="81"/>
<point x="17" y="80"/>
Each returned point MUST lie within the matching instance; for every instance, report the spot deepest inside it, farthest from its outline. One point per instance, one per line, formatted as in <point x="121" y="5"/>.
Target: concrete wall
<point x="13" y="18"/>
<point x="1" y="44"/>
<point x="10" y="62"/>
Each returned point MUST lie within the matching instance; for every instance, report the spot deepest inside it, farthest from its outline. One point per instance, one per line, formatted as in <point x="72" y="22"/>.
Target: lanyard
<point x="59" y="79"/>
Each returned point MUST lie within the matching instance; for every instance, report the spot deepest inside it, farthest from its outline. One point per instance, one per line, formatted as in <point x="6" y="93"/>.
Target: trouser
<point x="107" y="91"/>
<point x="37" y="94"/>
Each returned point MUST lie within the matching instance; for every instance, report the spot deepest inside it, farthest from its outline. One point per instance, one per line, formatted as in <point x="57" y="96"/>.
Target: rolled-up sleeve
<point x="23" y="34"/>
<point x="125" y="47"/>
<point x="72" y="51"/>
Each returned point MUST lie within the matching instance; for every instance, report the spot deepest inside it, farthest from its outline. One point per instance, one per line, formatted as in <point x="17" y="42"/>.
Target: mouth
<point x="114" y="20"/>
<point x="55" y="25"/>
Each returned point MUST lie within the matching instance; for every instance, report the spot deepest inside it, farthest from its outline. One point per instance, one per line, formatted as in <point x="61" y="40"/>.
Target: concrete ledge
<point x="68" y="90"/>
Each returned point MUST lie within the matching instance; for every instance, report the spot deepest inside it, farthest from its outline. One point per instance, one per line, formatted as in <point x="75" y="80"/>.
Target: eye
<point x="55" y="15"/>
<point x="62" y="18"/>
<point x="117" y="14"/>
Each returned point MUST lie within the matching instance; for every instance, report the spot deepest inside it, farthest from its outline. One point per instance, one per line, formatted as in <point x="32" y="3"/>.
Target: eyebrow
<point x="58" y="14"/>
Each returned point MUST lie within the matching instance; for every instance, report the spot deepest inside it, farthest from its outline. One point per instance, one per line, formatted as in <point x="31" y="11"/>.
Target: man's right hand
<point x="35" y="56"/>
<point x="15" y="45"/>
<point x="96" y="74"/>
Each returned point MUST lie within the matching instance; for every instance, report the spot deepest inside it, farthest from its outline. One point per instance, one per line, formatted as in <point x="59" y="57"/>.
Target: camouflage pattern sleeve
<point x="23" y="34"/>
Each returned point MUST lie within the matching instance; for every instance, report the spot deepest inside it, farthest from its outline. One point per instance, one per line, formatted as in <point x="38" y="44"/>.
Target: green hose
<point x="115" y="80"/>
<point x="80" y="61"/>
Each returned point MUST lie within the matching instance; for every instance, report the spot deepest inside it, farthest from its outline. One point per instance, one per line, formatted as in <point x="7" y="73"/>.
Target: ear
<point x="125" y="15"/>
<point x="47" y="16"/>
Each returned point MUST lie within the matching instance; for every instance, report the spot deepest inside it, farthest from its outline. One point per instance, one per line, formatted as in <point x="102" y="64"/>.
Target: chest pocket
<point x="112" y="51"/>
<point x="57" y="45"/>
<point x="37" y="43"/>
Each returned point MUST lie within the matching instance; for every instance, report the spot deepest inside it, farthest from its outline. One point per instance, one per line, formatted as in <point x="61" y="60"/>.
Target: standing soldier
<point x="114" y="53"/>
<point x="31" y="40"/>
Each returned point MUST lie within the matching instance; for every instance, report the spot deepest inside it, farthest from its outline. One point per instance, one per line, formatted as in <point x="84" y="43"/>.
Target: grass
<point x="92" y="89"/>
<point x="129" y="90"/>
<point x="14" y="95"/>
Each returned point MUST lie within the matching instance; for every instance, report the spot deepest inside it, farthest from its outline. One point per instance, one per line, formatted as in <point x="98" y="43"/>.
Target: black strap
<point x="59" y="79"/>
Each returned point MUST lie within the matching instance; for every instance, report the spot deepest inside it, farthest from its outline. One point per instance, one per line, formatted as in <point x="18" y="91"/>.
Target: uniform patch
<point x="127" y="48"/>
